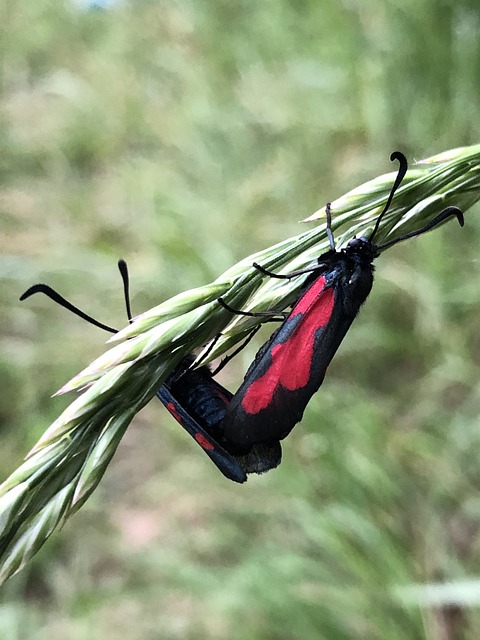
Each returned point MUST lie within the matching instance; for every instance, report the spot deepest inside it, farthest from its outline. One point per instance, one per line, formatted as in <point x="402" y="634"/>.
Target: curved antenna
<point x="63" y="302"/>
<point x="122" y="267"/>
<point x="402" y="170"/>
<point x="446" y="213"/>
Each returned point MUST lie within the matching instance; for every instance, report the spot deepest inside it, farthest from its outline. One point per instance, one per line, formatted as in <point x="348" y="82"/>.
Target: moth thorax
<point x="362" y="247"/>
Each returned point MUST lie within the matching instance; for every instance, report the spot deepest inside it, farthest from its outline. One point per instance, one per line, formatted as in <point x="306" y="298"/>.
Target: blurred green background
<point x="182" y="136"/>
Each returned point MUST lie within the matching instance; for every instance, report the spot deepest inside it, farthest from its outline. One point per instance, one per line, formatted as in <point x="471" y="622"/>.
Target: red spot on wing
<point x="200" y="438"/>
<point x="203" y="442"/>
<point x="172" y="409"/>
<point x="291" y="361"/>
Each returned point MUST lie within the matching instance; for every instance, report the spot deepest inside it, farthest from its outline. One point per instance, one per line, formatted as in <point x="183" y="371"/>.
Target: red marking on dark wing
<point x="291" y="361"/>
<point x="173" y="410"/>
<point x="200" y="438"/>
<point x="203" y="442"/>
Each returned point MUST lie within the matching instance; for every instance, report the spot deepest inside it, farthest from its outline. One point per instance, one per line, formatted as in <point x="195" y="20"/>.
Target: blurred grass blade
<point x="464" y="593"/>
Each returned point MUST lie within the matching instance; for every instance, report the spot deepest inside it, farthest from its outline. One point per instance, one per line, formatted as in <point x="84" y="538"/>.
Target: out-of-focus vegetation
<point x="182" y="136"/>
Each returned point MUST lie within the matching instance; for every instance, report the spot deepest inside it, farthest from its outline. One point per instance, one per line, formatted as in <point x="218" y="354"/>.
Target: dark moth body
<point x="291" y="366"/>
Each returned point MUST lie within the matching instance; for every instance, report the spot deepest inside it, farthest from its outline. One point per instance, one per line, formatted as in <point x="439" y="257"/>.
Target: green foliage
<point x="184" y="136"/>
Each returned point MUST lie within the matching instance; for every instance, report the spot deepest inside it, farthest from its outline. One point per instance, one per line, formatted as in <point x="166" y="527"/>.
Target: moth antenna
<point x="446" y="213"/>
<point x="63" y="302"/>
<point x="122" y="267"/>
<point x="402" y="170"/>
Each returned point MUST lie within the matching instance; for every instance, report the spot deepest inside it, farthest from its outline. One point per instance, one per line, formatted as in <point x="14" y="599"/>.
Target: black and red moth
<point x="241" y="432"/>
<point x="196" y="401"/>
<point x="291" y="366"/>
